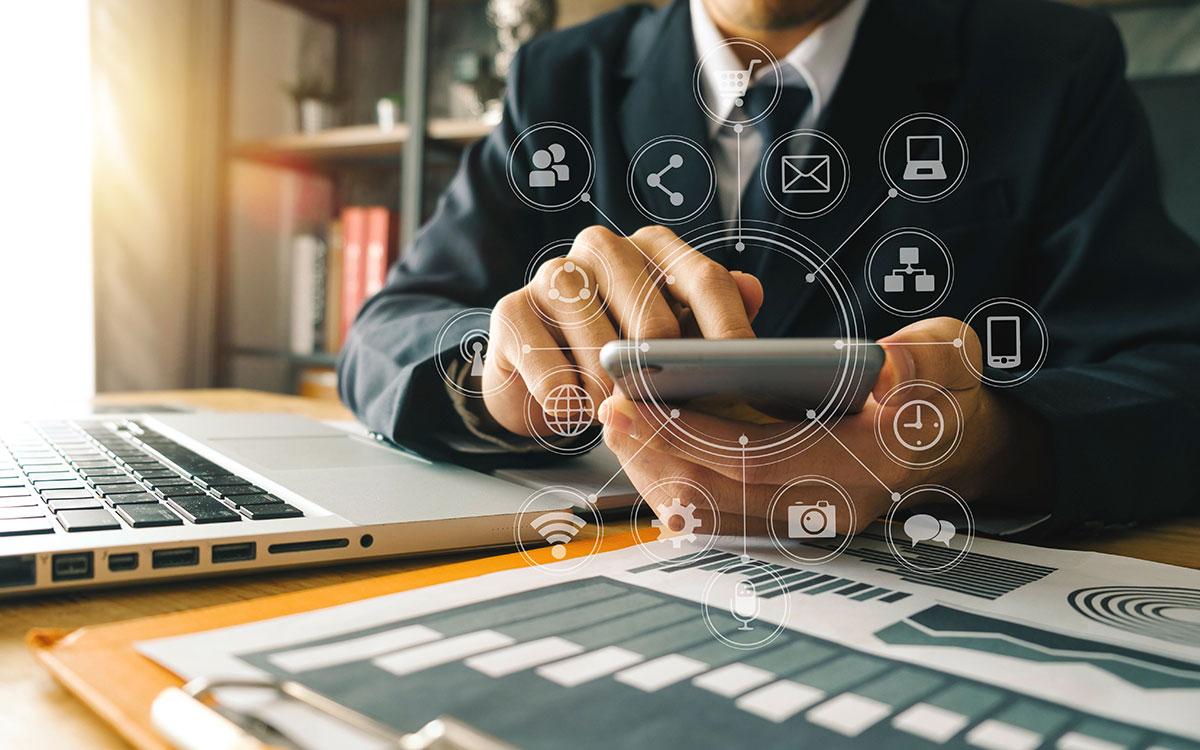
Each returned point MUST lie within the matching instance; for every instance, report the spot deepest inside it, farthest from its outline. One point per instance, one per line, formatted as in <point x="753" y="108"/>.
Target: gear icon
<point x="681" y="510"/>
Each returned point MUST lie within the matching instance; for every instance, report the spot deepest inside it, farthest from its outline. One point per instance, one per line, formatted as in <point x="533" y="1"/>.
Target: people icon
<point x="548" y="167"/>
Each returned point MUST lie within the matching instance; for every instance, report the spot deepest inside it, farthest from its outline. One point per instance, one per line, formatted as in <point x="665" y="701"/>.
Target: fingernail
<point x="618" y="414"/>
<point x="904" y="366"/>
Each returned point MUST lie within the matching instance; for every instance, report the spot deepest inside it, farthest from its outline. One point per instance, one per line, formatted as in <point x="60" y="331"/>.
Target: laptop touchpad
<point x="284" y="454"/>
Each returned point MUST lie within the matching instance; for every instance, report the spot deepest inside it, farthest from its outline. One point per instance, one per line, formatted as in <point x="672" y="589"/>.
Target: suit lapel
<point x="899" y="58"/>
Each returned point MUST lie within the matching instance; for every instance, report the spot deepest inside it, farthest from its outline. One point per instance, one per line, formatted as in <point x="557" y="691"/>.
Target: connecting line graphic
<point x="891" y="194"/>
<point x="738" y="129"/>
<point x="596" y="495"/>
<point x="956" y="343"/>
<point x="894" y="495"/>
<point x="743" y="440"/>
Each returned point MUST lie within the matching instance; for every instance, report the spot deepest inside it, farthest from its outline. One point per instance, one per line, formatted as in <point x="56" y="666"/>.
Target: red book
<point x="378" y="242"/>
<point x="354" y="232"/>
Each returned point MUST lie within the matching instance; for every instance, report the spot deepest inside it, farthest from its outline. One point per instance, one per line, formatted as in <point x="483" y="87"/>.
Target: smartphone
<point x="1004" y="341"/>
<point x="784" y="378"/>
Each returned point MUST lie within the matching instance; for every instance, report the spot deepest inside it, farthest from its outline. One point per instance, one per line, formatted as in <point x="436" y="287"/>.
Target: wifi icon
<point x="558" y="528"/>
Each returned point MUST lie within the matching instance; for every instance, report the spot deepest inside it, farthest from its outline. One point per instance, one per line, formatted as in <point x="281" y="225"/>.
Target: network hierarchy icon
<point x="810" y="519"/>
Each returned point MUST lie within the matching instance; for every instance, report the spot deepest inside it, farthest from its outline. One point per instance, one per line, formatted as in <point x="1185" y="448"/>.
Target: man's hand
<point x="627" y="298"/>
<point x="992" y="440"/>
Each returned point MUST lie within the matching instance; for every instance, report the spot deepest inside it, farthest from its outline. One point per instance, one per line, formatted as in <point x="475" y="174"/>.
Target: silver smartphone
<point x="780" y="377"/>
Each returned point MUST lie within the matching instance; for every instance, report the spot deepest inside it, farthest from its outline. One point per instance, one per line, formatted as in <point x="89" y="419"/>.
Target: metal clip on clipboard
<point x="189" y="723"/>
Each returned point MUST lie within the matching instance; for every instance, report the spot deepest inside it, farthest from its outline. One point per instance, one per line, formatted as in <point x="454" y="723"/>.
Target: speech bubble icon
<point x="921" y="527"/>
<point x="945" y="533"/>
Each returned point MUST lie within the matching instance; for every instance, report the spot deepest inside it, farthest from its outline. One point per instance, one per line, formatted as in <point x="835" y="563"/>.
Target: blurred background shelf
<point x="355" y="142"/>
<point x="316" y="359"/>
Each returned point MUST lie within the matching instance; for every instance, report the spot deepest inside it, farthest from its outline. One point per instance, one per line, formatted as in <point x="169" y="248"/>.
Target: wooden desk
<point x="38" y="713"/>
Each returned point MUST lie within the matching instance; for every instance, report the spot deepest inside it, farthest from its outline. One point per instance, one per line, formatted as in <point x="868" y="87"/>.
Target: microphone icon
<point x="744" y="604"/>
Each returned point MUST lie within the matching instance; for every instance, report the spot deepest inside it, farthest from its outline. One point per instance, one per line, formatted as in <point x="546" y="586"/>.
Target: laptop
<point x="920" y="166"/>
<point x="106" y="501"/>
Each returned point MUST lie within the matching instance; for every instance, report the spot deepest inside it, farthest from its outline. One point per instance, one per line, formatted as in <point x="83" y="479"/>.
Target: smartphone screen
<point x="1004" y="341"/>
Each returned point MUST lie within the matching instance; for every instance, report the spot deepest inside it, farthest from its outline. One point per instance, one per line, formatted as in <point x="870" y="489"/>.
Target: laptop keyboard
<point x="76" y="476"/>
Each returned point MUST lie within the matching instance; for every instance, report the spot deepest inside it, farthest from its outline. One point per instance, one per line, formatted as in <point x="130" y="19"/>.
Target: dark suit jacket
<point x="1060" y="208"/>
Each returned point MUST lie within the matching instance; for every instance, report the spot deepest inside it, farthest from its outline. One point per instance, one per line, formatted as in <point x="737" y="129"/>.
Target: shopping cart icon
<point x="732" y="84"/>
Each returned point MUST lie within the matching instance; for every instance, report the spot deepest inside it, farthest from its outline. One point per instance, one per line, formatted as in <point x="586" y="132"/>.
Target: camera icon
<point x="818" y="521"/>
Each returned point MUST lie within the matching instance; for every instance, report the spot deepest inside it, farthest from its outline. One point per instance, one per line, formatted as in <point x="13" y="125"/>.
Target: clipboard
<point x="90" y="660"/>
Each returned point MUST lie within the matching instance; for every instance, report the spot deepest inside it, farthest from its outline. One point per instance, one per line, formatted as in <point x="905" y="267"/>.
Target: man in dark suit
<point x="1059" y="208"/>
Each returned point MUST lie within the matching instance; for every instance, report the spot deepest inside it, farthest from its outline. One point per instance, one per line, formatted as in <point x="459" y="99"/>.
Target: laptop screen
<point x="924" y="143"/>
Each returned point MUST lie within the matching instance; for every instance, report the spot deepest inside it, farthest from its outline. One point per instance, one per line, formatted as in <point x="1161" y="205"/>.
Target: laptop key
<point x="203" y="509"/>
<point x="66" y="495"/>
<point x="29" y="501"/>
<point x="23" y="526"/>
<point x="133" y="498"/>
<point x="18" y="491"/>
<point x="145" y="516"/>
<point x="93" y="519"/>
<point x="263" y="512"/>
<point x="175" y="493"/>
<point x="244" y="500"/>
<point x="228" y="490"/>
<point x="10" y="514"/>
<point x="76" y="485"/>
<point x="74" y="504"/>
<point x="119" y="489"/>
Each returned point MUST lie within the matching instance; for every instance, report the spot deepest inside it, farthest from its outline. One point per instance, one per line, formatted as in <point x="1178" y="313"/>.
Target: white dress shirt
<point x="816" y="62"/>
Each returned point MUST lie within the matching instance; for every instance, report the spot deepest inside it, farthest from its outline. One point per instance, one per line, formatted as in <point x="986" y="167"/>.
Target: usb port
<point x="123" y="561"/>
<point x="71" y="566"/>
<point x="176" y="558"/>
<point x="238" y="552"/>
<point x="18" y="570"/>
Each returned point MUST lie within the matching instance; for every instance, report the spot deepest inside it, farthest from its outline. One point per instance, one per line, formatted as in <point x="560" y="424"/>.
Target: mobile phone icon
<point x="1004" y="342"/>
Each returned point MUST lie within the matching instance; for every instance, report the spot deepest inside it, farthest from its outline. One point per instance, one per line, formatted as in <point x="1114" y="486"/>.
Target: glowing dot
<point x="592" y="499"/>
<point x="895" y="497"/>
<point x="745" y="558"/>
<point x="958" y="343"/>
<point x="743" y="440"/>
<point x="810" y="277"/>
<point x="740" y="246"/>
<point x="811" y="414"/>
<point x="674" y="414"/>
<point x="558" y="551"/>
<point x="839" y="344"/>
<point x="585" y="293"/>
<point x="586" y="197"/>
<point x="737" y="128"/>
<point x="569" y="267"/>
<point x="644" y="347"/>
<point x="652" y="180"/>
<point x="553" y="293"/>
<point x="669" y="279"/>
<point x="893" y="193"/>
<point x="676" y="160"/>
<point x="526" y="349"/>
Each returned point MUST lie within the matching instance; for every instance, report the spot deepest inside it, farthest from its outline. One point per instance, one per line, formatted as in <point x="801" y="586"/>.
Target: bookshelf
<point x="355" y="142"/>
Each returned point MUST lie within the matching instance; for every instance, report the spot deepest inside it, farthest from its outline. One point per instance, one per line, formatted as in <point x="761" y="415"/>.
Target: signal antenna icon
<point x="558" y="528"/>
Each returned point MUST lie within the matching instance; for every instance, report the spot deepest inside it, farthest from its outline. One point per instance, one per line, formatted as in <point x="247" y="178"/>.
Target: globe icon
<point x="568" y="410"/>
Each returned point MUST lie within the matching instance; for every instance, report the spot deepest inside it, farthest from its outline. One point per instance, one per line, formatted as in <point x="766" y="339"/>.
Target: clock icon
<point x="918" y="425"/>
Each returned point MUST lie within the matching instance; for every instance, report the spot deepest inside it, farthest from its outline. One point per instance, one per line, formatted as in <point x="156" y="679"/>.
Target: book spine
<point x="353" y="265"/>
<point x="304" y="253"/>
<point x="333" y="288"/>
<point x="378" y="219"/>
<point x="319" y="266"/>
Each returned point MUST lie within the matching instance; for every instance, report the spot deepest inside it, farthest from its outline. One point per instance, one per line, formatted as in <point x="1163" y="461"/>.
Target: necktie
<point x="783" y="118"/>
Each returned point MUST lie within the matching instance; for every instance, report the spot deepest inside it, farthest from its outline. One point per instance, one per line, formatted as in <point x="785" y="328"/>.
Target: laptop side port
<point x="178" y="557"/>
<point x="72" y="566"/>
<point x="123" y="561"/>
<point x="18" y="570"/>
<point x="236" y="552"/>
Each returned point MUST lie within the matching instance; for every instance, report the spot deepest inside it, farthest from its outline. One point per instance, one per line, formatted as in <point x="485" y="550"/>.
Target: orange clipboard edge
<point x="92" y="661"/>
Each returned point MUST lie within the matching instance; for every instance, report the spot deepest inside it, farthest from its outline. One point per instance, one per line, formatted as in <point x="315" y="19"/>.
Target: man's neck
<point x="778" y="41"/>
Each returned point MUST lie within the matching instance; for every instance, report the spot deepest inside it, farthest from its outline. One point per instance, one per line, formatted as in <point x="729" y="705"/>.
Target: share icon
<point x="655" y="179"/>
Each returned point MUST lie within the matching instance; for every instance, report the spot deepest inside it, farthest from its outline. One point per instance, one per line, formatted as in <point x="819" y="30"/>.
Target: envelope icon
<point x="806" y="174"/>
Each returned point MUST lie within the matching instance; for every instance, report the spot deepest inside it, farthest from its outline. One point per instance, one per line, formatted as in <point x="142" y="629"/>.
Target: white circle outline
<point x="958" y="430"/>
<point x="1041" y="327"/>
<point x="712" y="504"/>
<point x="440" y="349"/>
<point x="543" y="440"/>
<point x="712" y="629"/>
<point x="513" y="182"/>
<point x="708" y="164"/>
<point x="890" y="524"/>
<point x="698" y="82"/>
<point x="596" y="520"/>
<point x="941" y="425"/>
<point x="875" y="295"/>
<point x="962" y="172"/>
<point x="778" y="496"/>
<point x="548" y="253"/>
<point x="770" y="152"/>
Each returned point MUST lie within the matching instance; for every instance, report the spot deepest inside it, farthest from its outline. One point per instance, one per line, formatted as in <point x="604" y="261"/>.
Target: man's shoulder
<point x="602" y="40"/>
<point x="1041" y="31"/>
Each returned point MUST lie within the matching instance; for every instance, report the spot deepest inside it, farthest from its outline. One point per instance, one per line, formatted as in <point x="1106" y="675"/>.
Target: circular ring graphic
<point x="1005" y="359"/>
<point x="549" y="161"/>
<point x="732" y="83"/>
<point x="470" y="346"/>
<point x="909" y="266"/>
<point x="583" y="270"/>
<point x="812" y="521"/>
<point x="677" y="509"/>
<point x="791" y="437"/>
<point x="930" y="558"/>
<point x="741" y="605"/>
<point x="916" y="414"/>
<point x="796" y="170"/>
<point x="660" y="180"/>
<point x="557" y="528"/>
<point x="1151" y="611"/>
<point x="894" y="183"/>
<point x="569" y="409"/>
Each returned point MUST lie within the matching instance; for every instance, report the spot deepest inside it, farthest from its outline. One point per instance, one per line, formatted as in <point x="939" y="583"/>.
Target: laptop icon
<point x="920" y="166"/>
